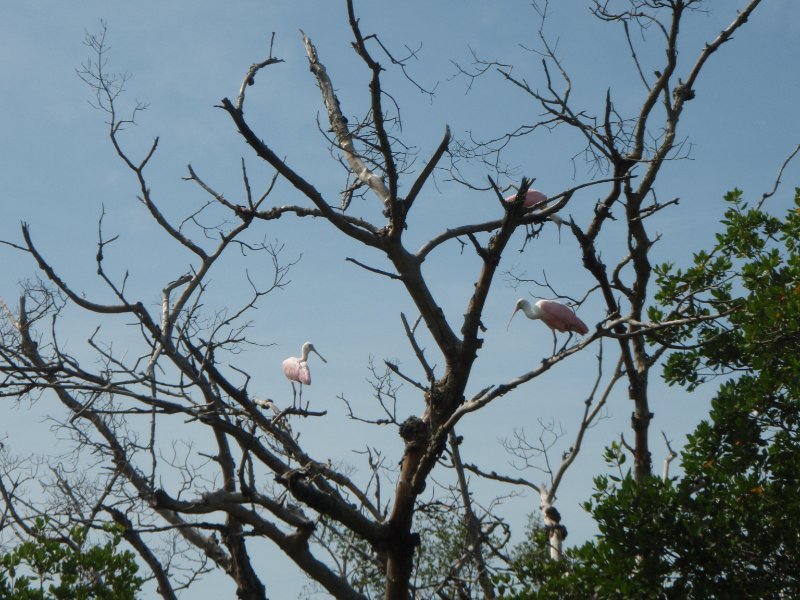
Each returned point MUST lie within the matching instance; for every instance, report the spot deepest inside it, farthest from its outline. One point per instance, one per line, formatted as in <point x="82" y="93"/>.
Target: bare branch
<point x="774" y="189"/>
<point x="339" y="125"/>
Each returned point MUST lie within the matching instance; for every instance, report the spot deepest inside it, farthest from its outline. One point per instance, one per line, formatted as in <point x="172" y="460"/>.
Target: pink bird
<point x="534" y="198"/>
<point x="296" y="369"/>
<point x="554" y="314"/>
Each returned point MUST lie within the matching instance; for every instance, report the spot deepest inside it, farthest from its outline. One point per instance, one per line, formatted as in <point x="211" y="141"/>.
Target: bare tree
<point x="261" y="482"/>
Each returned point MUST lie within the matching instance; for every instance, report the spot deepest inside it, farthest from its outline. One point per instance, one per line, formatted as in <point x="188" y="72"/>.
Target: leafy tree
<point x="45" y="567"/>
<point x="730" y="525"/>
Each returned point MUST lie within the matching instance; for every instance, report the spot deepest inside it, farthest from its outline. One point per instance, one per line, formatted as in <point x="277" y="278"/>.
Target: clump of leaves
<point x="51" y="568"/>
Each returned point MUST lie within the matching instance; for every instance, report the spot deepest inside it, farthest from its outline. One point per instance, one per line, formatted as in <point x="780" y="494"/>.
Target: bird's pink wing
<point x="303" y="374"/>
<point x="291" y="368"/>
<point x="560" y="317"/>
<point x="532" y="198"/>
<point x="578" y="326"/>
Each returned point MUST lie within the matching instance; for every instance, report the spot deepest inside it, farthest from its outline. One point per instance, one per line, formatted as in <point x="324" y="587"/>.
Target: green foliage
<point x="45" y="568"/>
<point x="751" y="274"/>
<point x="730" y="527"/>
<point x="532" y="574"/>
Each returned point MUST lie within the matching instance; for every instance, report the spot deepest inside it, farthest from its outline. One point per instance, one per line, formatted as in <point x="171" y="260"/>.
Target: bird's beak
<point x="314" y="350"/>
<point x="516" y="308"/>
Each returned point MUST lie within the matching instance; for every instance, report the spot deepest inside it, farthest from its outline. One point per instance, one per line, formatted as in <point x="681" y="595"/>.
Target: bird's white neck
<point x="531" y="311"/>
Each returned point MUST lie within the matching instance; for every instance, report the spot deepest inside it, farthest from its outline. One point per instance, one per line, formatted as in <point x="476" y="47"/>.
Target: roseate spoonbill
<point x="296" y="369"/>
<point x="554" y="314"/>
<point x="534" y="197"/>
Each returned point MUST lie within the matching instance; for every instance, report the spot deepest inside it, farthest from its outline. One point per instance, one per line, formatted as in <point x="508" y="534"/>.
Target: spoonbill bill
<point x="296" y="369"/>
<point x="555" y="315"/>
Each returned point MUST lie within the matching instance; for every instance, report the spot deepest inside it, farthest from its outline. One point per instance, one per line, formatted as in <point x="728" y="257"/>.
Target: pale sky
<point x="58" y="170"/>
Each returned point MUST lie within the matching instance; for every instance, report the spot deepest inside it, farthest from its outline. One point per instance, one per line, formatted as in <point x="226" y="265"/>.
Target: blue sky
<point x="58" y="169"/>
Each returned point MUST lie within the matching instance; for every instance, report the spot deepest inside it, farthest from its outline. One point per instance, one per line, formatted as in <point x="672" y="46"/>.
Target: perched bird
<point x="534" y="198"/>
<point x="554" y="314"/>
<point x="551" y="513"/>
<point x="556" y="532"/>
<point x="296" y="369"/>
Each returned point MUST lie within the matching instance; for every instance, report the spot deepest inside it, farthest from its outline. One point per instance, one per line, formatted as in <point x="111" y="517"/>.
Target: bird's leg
<point x="294" y="394"/>
<point x="300" y="397"/>
<point x="555" y="341"/>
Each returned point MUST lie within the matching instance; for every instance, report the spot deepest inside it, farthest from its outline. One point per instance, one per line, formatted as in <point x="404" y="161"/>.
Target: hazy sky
<point x="58" y="171"/>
